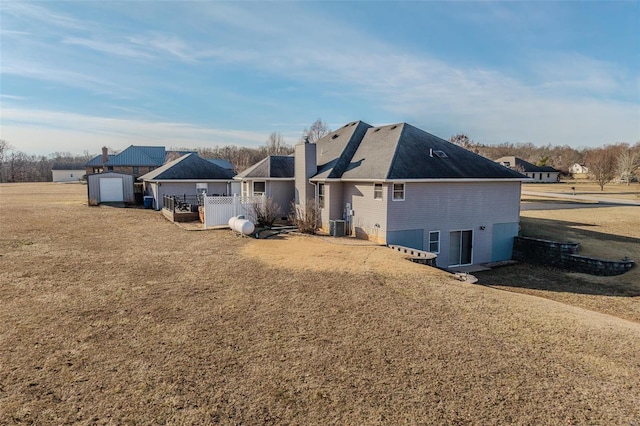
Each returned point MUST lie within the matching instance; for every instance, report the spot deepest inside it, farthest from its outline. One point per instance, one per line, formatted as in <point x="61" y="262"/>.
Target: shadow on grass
<point x="536" y="277"/>
<point x="564" y="231"/>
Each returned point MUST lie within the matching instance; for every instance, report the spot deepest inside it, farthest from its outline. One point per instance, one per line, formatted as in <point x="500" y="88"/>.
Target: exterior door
<point x="460" y="248"/>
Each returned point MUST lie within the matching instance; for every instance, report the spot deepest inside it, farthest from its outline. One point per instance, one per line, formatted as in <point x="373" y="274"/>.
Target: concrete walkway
<point x="579" y="197"/>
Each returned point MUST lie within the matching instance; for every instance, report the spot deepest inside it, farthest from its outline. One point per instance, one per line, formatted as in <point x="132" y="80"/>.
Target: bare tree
<point x="461" y="140"/>
<point x="276" y="145"/>
<point x="602" y="165"/>
<point x="317" y="130"/>
<point x="5" y="147"/>
<point x="628" y="162"/>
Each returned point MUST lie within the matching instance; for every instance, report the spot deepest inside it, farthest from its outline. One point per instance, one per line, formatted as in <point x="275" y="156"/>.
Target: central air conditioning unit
<point x="337" y="228"/>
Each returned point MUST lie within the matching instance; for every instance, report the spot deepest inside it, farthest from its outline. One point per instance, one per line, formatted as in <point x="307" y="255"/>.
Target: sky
<point x="79" y="75"/>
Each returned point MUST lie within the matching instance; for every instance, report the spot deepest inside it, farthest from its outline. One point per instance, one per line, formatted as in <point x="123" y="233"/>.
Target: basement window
<point x="377" y="191"/>
<point x="434" y="241"/>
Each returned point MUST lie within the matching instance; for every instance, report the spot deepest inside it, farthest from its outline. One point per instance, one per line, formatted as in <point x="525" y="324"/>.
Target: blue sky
<point x="75" y="76"/>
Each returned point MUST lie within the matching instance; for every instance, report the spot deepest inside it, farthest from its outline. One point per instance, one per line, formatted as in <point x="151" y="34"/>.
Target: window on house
<point x="434" y="241"/>
<point x="136" y="170"/>
<point x="548" y="175"/>
<point x="259" y="188"/>
<point x="398" y="191"/>
<point x="110" y="168"/>
<point x="377" y="191"/>
<point x="321" y="195"/>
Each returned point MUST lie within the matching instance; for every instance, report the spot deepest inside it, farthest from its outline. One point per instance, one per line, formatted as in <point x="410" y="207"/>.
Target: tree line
<point x="16" y="166"/>
<point x="605" y="163"/>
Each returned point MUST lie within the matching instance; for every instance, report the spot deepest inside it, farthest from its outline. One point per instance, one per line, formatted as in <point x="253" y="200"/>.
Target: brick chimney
<point x="105" y="154"/>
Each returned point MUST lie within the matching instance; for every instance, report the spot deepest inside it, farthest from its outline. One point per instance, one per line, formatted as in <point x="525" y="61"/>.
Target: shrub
<point x="305" y="218"/>
<point x="266" y="213"/>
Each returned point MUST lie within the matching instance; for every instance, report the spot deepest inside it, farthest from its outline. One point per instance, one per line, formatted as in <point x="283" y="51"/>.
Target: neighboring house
<point x="188" y="176"/>
<point x="67" y="172"/>
<point x="272" y="177"/>
<point x="110" y="187"/>
<point x="579" y="169"/>
<point x="400" y="185"/>
<point x="537" y="174"/>
<point x="134" y="160"/>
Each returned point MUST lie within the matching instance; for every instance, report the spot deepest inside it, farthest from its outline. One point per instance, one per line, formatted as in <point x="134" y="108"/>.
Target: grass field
<point x="606" y="232"/>
<point x="116" y="316"/>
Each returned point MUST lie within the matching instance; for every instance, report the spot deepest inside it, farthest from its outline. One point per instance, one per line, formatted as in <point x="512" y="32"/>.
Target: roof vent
<point x="376" y="130"/>
<point x="393" y="127"/>
<point x="334" y="136"/>
<point x="440" y="154"/>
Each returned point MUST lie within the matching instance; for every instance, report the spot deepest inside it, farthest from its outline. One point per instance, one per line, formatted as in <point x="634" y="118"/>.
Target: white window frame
<point x="403" y="192"/>
<point x="437" y="241"/>
<point x="258" y="193"/>
<point x="377" y="191"/>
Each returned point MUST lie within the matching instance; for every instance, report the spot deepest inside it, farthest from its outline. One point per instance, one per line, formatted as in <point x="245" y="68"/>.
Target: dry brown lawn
<point x="117" y="316"/>
<point x="582" y="187"/>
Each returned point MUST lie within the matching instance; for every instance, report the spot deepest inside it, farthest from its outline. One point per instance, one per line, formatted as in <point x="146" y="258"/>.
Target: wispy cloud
<point x="89" y="132"/>
<point x="33" y="12"/>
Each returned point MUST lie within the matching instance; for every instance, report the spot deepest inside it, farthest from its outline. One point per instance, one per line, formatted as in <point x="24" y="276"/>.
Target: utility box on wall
<point x="337" y="228"/>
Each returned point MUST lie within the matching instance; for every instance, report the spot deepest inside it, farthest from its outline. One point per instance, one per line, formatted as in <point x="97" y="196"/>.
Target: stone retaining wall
<point x="565" y="256"/>
<point x="417" y="256"/>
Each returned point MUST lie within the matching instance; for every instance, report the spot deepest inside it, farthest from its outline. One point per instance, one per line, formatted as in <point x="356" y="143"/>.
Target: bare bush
<point x="267" y="213"/>
<point x="305" y="216"/>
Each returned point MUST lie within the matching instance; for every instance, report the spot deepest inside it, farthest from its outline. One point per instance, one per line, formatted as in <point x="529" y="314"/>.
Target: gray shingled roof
<point x="274" y="166"/>
<point x="334" y="151"/>
<point x="225" y="164"/>
<point x="401" y="151"/>
<point x="189" y="167"/>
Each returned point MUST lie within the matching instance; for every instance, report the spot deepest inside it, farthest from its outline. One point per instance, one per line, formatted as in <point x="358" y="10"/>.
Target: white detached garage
<point x="110" y="187"/>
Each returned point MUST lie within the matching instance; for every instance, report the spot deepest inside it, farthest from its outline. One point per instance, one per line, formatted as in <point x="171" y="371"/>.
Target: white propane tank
<point x="240" y="224"/>
<point x="243" y="226"/>
<point x="233" y="220"/>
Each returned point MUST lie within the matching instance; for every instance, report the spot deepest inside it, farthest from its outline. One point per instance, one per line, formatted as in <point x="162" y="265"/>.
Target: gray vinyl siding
<point x="281" y="192"/>
<point x="367" y="212"/>
<point x="333" y="204"/>
<point x="447" y="207"/>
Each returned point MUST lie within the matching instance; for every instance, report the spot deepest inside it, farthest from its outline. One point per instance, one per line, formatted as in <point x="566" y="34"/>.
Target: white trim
<point x="261" y="178"/>
<point x="183" y="180"/>
<point x="448" y="180"/>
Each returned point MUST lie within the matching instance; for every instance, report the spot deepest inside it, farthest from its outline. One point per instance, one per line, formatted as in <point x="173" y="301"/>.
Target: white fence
<point x="218" y="210"/>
